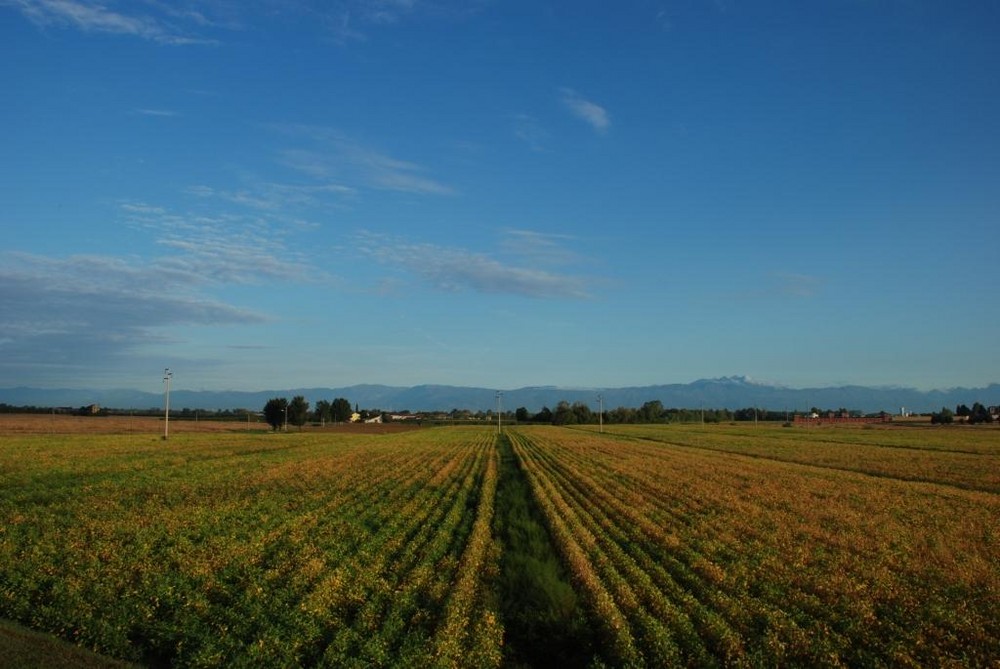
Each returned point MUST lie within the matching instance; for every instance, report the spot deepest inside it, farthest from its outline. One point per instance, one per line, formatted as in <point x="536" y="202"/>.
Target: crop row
<point x="891" y="435"/>
<point x="972" y="463"/>
<point x="698" y="557"/>
<point x="255" y="550"/>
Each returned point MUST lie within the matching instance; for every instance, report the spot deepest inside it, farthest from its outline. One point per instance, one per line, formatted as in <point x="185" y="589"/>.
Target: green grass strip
<point x="544" y="620"/>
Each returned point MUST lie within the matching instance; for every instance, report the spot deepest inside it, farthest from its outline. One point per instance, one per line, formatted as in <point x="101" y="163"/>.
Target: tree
<point x="522" y="415"/>
<point x="582" y="412"/>
<point x="322" y="412"/>
<point x="621" y="415"/>
<point x="298" y="411"/>
<point x="750" y="413"/>
<point x="543" y="416"/>
<point x="369" y="414"/>
<point x="943" y="417"/>
<point x="650" y="412"/>
<point x="979" y="414"/>
<point x="340" y="410"/>
<point x="274" y="412"/>
<point x="564" y="414"/>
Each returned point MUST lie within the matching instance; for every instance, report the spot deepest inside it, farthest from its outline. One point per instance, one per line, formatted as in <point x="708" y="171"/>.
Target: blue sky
<point x="273" y="194"/>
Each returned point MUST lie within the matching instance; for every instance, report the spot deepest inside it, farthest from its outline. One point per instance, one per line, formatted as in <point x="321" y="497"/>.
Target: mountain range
<point x="732" y="392"/>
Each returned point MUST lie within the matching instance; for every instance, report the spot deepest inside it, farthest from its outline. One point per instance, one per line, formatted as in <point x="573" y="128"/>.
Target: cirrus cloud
<point x="592" y="113"/>
<point x="333" y="156"/>
<point x="455" y="269"/>
<point x="95" y="17"/>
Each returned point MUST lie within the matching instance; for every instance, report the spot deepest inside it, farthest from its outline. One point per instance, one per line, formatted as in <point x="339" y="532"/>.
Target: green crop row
<point x="253" y="550"/>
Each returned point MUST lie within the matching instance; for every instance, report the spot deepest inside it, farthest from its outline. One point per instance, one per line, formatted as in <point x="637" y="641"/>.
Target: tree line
<point x="977" y="414"/>
<point x="88" y="410"/>
<point x="580" y="413"/>
<point x="279" y="412"/>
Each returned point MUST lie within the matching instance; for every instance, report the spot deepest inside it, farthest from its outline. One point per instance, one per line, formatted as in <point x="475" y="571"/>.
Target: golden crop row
<point x="698" y="556"/>
<point x="967" y="458"/>
<point x="956" y="439"/>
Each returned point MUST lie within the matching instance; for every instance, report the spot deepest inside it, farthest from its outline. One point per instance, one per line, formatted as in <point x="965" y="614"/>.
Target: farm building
<point x="842" y="417"/>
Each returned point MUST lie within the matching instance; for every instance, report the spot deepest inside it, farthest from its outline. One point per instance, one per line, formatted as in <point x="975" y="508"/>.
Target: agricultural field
<point x="642" y="546"/>
<point x="254" y="550"/>
<point x="964" y="457"/>
<point x="725" y="546"/>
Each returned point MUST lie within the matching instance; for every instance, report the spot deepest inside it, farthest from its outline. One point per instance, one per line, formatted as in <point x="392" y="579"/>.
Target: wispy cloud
<point x="353" y="20"/>
<point x="94" y="17"/>
<point x="219" y="248"/>
<point x="89" y="287"/>
<point x="156" y="112"/>
<point x="334" y="157"/>
<point x="343" y="28"/>
<point x="222" y="14"/>
<point x="383" y="11"/>
<point x="166" y="22"/>
<point x="541" y="248"/>
<point x="456" y="269"/>
<point x="85" y="311"/>
<point x="584" y="109"/>
<point x="529" y="130"/>
<point x="276" y="197"/>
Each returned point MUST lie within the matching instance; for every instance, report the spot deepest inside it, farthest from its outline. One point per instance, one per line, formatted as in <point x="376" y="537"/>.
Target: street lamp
<point x="167" y="375"/>
<point x="286" y="416"/>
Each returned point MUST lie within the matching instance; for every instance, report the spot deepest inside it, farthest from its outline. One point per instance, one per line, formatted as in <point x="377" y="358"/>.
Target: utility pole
<point x="600" y="414"/>
<point x="167" y="375"/>
<point x="499" y="410"/>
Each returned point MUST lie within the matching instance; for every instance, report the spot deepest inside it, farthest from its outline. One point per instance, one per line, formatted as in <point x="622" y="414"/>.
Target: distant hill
<point x="732" y="392"/>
